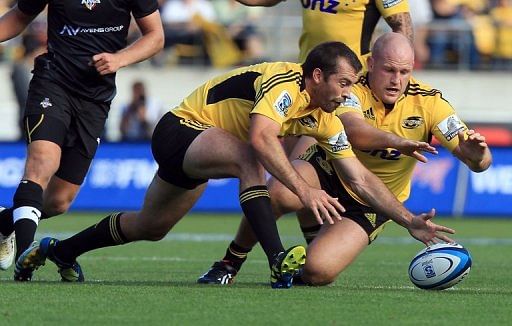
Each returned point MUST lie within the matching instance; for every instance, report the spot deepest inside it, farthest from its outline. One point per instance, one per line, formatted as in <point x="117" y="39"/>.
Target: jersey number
<point x="328" y="6"/>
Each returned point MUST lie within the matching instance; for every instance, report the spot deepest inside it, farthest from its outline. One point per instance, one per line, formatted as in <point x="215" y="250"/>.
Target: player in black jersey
<point x="69" y="98"/>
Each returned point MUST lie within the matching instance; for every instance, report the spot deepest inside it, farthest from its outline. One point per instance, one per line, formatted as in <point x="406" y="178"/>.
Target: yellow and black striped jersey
<point x="420" y="113"/>
<point x="349" y="21"/>
<point x="275" y="90"/>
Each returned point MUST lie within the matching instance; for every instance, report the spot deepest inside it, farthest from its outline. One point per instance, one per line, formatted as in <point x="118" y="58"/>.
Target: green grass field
<point x="155" y="283"/>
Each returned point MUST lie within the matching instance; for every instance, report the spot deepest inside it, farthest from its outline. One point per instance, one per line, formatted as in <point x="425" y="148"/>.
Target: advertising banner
<point x="121" y="172"/>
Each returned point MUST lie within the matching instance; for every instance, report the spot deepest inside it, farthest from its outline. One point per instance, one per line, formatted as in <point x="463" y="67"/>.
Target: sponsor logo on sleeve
<point x="339" y="142"/>
<point x="283" y="103"/>
<point x="352" y="102"/>
<point x="450" y="126"/>
<point x="390" y="3"/>
<point x="412" y="122"/>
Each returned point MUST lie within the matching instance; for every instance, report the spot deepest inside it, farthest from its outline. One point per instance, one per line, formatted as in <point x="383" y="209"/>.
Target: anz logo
<point x="385" y="154"/>
<point x="327" y="6"/>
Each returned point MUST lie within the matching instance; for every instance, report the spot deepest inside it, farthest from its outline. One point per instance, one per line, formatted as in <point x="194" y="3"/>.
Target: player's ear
<point x="369" y="63"/>
<point x="317" y="75"/>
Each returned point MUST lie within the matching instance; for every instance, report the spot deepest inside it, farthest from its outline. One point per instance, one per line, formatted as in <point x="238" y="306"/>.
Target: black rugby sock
<point x="28" y="203"/>
<point x="236" y="255"/>
<point x="255" y="202"/>
<point x="6" y="224"/>
<point x="106" y="233"/>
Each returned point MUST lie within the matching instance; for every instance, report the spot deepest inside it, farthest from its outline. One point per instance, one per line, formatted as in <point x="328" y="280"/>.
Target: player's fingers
<point x="419" y="157"/>
<point x="336" y="203"/>
<point x="426" y="147"/>
<point x="317" y="216"/>
<point x="445" y="229"/>
<point x="445" y="238"/>
<point x="325" y="214"/>
<point x="333" y="212"/>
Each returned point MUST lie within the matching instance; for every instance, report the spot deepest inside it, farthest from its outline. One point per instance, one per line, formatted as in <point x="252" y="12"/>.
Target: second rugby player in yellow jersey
<point x="389" y="99"/>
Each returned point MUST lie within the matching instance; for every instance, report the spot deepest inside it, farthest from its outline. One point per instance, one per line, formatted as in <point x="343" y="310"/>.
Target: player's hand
<point x="415" y="148"/>
<point x="323" y="206"/>
<point x="106" y="63"/>
<point x="424" y="230"/>
<point x="474" y="146"/>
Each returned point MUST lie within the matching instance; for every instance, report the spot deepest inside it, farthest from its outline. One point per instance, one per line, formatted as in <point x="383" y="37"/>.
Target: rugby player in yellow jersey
<point x="389" y="99"/>
<point x="229" y="127"/>
<point x="349" y="21"/>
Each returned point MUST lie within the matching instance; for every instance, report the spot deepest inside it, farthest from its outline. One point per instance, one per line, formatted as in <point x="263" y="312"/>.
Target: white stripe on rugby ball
<point x="440" y="266"/>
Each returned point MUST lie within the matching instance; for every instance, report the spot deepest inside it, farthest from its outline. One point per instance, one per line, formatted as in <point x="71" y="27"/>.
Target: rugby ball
<point x="440" y="266"/>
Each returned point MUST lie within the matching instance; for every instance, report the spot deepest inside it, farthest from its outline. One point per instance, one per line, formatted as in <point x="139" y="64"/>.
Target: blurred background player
<point x="350" y="22"/>
<point x="389" y="99"/>
<point x="68" y="101"/>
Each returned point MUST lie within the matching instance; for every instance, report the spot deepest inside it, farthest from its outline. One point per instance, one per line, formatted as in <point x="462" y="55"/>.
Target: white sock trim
<point x="27" y="212"/>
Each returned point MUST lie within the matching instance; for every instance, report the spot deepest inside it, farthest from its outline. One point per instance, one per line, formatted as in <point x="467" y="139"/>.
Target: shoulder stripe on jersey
<point x="276" y="78"/>
<point x="297" y="77"/>
<point x="415" y="89"/>
<point x="238" y="86"/>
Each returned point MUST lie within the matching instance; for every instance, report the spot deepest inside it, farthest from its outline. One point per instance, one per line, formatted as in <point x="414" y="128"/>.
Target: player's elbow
<point x="159" y="42"/>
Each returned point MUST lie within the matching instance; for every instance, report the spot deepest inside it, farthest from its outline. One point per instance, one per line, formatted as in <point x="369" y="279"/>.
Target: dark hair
<point x="325" y="57"/>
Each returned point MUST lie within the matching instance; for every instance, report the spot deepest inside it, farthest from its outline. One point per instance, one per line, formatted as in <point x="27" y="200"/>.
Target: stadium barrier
<point x="121" y="172"/>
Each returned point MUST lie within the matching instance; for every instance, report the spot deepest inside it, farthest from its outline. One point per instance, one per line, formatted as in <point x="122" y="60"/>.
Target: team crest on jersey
<point x="283" y="103"/>
<point x="450" y="127"/>
<point x="412" y="122"/>
<point x="90" y="4"/>
<point x="339" y="142"/>
<point x="390" y="3"/>
<point x="309" y="122"/>
<point x="45" y="103"/>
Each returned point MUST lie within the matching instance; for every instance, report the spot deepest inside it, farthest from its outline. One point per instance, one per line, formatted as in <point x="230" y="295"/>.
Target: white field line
<point x="223" y="237"/>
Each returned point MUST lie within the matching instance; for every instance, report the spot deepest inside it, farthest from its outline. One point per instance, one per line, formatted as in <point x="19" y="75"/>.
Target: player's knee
<point x="318" y="276"/>
<point x="56" y="206"/>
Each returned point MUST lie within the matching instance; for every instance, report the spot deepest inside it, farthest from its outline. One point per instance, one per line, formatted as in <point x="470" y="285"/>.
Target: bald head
<point x="390" y="67"/>
<point x="394" y="46"/>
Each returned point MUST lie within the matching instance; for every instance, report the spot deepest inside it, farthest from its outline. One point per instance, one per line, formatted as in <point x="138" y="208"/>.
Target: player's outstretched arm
<point x="402" y="23"/>
<point x="473" y="151"/>
<point x="263" y="3"/>
<point x="373" y="191"/>
<point x="12" y="23"/>
<point x="150" y="43"/>
<point x="364" y="136"/>
<point x="264" y="141"/>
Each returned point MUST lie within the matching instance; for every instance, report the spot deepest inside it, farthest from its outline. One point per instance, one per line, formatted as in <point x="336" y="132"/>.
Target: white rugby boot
<point x="6" y="249"/>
